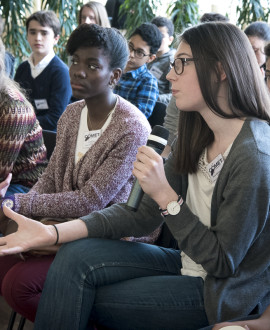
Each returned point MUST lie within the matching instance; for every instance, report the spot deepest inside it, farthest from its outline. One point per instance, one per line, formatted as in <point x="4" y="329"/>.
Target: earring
<point x="112" y="84"/>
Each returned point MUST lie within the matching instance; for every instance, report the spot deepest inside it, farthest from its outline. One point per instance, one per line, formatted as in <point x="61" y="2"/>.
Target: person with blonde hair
<point x="94" y="12"/>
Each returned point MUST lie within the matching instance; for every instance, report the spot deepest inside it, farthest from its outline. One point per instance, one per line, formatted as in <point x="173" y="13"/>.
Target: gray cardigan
<point x="235" y="250"/>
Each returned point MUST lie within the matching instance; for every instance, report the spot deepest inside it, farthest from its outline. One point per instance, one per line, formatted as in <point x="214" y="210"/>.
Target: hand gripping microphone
<point x="157" y="140"/>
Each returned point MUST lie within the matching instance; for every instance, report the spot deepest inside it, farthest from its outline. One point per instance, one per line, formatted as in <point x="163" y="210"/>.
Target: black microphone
<point x="157" y="140"/>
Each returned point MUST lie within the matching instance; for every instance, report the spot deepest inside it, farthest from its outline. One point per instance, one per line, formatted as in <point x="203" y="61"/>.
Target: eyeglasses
<point x="137" y="52"/>
<point x="179" y="63"/>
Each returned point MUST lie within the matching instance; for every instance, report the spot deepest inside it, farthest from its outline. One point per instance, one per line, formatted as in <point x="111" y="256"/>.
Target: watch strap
<point x="165" y="212"/>
<point x="8" y="201"/>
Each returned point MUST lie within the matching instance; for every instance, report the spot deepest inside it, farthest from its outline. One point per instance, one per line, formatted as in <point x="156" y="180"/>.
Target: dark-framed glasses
<point x="179" y="63"/>
<point x="137" y="52"/>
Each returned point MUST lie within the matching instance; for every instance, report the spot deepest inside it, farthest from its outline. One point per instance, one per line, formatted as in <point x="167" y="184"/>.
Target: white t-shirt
<point x="87" y="138"/>
<point x="201" y="186"/>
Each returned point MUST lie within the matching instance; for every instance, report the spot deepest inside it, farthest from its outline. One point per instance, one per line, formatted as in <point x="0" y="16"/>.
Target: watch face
<point x="173" y="208"/>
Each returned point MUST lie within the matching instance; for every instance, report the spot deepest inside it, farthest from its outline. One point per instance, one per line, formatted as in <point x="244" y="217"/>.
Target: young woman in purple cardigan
<point x="91" y="166"/>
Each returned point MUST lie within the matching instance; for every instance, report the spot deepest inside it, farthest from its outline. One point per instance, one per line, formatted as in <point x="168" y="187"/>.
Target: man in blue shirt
<point x="137" y="84"/>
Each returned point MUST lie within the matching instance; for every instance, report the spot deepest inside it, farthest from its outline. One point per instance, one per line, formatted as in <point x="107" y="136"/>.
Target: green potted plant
<point x="137" y="12"/>
<point x="250" y="11"/>
<point x="183" y="13"/>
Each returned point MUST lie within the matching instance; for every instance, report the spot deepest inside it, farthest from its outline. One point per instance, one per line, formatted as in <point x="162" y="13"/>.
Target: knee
<point x="23" y="284"/>
<point x="83" y="255"/>
<point x="16" y="287"/>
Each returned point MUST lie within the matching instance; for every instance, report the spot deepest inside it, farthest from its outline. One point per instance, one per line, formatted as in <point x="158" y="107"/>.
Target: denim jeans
<point x="120" y="285"/>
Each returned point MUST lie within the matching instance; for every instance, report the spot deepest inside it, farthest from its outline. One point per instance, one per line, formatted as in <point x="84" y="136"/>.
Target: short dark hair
<point x="160" y="21"/>
<point x="45" y="18"/>
<point x="213" y="17"/>
<point x="110" y="40"/>
<point x="150" y="34"/>
<point x="258" y="29"/>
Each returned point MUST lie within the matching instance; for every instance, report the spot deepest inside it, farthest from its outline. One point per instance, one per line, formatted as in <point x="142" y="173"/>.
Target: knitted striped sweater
<point x="22" y="151"/>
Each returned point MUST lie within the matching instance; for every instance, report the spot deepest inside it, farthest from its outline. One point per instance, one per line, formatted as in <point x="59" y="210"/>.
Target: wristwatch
<point x="173" y="208"/>
<point x="8" y="202"/>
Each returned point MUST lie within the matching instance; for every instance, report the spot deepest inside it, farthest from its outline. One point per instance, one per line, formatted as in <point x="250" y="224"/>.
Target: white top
<point x="37" y="69"/>
<point x="87" y="138"/>
<point x="201" y="184"/>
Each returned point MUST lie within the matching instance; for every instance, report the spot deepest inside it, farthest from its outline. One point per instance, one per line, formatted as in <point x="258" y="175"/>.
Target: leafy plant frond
<point x="249" y="11"/>
<point x="183" y="13"/>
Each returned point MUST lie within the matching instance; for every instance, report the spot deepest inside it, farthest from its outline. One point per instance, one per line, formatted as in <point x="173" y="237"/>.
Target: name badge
<point x="41" y="104"/>
<point x="215" y="167"/>
<point x="156" y="72"/>
<point x="90" y="138"/>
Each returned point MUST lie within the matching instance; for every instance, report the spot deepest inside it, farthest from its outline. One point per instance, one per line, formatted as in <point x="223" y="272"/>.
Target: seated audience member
<point x="91" y="166"/>
<point x="137" y="84"/>
<point x="213" y="195"/>
<point x="258" y="34"/>
<point x="44" y="76"/>
<point x="160" y="66"/>
<point x="94" y="12"/>
<point x="22" y="151"/>
<point x="172" y="113"/>
<point x="9" y="58"/>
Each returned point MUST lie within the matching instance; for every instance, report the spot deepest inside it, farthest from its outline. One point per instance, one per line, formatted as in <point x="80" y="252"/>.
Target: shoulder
<point x="254" y="137"/>
<point x="250" y="152"/>
<point x="23" y="66"/>
<point x="129" y="115"/>
<point x="149" y="78"/>
<point x="73" y="109"/>
<point x="71" y="116"/>
<point x="57" y="64"/>
<point x="12" y="101"/>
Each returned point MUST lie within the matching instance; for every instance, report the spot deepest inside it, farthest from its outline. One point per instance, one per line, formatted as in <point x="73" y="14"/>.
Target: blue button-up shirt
<point x="140" y="88"/>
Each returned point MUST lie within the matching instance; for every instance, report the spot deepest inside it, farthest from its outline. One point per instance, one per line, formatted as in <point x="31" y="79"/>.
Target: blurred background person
<point x="258" y="34"/>
<point x="9" y="58"/>
<point x="94" y="12"/>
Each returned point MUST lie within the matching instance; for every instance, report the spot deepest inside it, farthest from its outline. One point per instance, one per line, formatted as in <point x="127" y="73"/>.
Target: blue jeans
<point x="120" y="285"/>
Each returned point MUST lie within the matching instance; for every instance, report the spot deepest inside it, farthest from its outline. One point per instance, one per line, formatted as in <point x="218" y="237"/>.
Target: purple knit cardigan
<point x="103" y="176"/>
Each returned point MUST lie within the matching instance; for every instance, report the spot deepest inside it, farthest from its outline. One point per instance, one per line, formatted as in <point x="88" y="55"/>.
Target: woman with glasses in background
<point x="213" y="194"/>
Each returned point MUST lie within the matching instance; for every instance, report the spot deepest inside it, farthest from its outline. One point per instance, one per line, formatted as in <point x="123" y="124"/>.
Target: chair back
<point x="49" y="138"/>
<point x="158" y="114"/>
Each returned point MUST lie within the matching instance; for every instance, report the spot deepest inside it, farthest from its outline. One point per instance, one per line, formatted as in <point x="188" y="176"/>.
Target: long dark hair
<point x="214" y="44"/>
